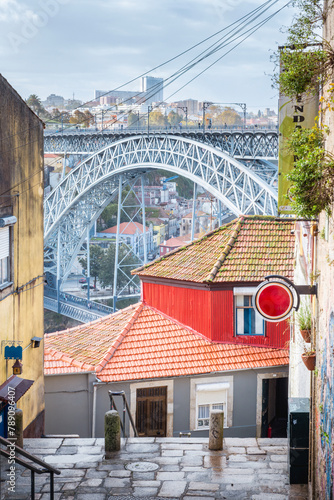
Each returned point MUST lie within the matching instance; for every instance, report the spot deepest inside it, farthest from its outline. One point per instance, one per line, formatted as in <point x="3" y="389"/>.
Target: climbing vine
<point x="313" y="174"/>
<point x="303" y="67"/>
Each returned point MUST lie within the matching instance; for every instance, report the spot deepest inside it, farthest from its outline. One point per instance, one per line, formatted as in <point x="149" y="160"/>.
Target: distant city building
<point x="191" y="105"/>
<point x="153" y="88"/>
<point x="151" y="91"/>
<point x="54" y="100"/>
<point x="131" y="233"/>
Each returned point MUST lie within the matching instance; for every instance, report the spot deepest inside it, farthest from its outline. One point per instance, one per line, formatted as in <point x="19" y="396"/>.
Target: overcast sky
<point x="77" y="46"/>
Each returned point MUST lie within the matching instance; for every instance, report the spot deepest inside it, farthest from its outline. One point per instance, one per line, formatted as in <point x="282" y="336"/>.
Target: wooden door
<point x="151" y="411"/>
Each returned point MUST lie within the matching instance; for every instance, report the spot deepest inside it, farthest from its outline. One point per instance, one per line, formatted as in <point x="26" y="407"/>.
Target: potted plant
<point x="305" y="323"/>
<point x="309" y="358"/>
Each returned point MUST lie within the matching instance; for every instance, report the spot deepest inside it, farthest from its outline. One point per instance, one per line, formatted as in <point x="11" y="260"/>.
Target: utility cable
<point x="192" y="64"/>
<point x="164" y="63"/>
<point x="218" y="45"/>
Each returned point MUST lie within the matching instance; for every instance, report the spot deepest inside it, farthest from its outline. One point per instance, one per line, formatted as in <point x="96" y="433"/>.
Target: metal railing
<point x="46" y="468"/>
<point x="126" y="409"/>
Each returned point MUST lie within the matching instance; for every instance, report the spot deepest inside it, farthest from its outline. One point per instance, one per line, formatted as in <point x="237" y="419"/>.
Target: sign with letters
<point x="292" y="114"/>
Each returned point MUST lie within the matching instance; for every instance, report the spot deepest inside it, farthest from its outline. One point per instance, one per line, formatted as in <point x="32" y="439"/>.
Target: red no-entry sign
<point x="275" y="300"/>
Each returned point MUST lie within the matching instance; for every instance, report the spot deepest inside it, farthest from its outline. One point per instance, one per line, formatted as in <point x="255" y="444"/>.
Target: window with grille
<point x="247" y="320"/>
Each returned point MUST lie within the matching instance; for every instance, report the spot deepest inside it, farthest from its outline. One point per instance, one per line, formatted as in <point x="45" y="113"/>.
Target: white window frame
<point x="6" y="251"/>
<point x="207" y="385"/>
<point x="242" y="292"/>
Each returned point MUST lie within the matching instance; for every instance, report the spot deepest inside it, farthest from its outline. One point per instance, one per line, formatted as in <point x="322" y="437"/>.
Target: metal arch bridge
<point x="74" y="205"/>
<point x="240" y="144"/>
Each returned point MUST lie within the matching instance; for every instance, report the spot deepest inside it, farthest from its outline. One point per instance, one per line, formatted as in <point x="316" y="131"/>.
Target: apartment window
<point x="203" y="414"/>
<point x="212" y="396"/>
<point x="5" y="250"/>
<point x="247" y="320"/>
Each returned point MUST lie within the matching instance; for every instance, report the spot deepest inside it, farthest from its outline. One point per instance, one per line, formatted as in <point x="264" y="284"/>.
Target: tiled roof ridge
<point x="179" y="249"/>
<point x="226" y="250"/>
<point x="64" y="357"/>
<point x="117" y="342"/>
<point x="90" y="323"/>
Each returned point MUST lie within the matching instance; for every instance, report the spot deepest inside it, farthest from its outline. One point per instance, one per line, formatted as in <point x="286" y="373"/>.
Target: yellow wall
<point x="21" y="195"/>
<point x="161" y="236"/>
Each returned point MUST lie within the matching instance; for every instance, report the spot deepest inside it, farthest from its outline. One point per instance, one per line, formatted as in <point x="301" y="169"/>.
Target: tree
<point x="78" y="117"/>
<point x="96" y="260"/>
<point x="60" y="116"/>
<point x="108" y="267"/>
<point x="174" y="119"/>
<point x="108" y="218"/>
<point x="228" y="116"/>
<point x="88" y="119"/>
<point x="127" y="262"/>
<point x="157" y="119"/>
<point x="36" y="105"/>
<point x="133" y="120"/>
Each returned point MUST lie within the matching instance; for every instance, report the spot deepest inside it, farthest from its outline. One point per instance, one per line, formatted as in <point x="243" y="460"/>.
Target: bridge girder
<point x="240" y="144"/>
<point x="81" y="197"/>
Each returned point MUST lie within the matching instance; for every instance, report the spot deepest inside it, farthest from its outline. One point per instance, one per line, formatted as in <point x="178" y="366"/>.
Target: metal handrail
<point x="126" y="409"/>
<point x="46" y="467"/>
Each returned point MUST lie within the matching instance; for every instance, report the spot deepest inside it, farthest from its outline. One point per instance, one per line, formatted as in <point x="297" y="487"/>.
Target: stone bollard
<point x="19" y="427"/>
<point x="112" y="433"/>
<point x="216" y="430"/>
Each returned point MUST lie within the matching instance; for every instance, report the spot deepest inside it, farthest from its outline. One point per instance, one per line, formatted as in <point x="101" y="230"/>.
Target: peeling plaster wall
<point x="323" y="456"/>
<point x="299" y="376"/>
<point x="21" y="303"/>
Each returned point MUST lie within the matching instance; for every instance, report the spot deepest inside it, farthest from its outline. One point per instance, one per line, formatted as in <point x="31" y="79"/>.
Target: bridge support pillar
<point x="193" y="223"/>
<point x="120" y="186"/>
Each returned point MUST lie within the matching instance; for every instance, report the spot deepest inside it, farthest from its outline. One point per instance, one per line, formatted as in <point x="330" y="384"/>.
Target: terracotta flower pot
<point x="309" y="360"/>
<point x="306" y="334"/>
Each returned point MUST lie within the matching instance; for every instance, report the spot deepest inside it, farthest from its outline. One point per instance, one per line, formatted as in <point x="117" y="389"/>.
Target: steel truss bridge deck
<point x="80" y="198"/>
<point x="240" y="144"/>
<point x="74" y="205"/>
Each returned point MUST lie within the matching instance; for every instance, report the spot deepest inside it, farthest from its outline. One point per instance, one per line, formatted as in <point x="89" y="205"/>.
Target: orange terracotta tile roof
<point x="199" y="213"/>
<point x="148" y="345"/>
<point x="85" y="347"/>
<point x="126" y="228"/>
<point x="246" y="249"/>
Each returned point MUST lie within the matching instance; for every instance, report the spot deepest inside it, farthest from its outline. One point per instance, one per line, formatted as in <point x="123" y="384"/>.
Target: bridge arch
<point x="81" y="197"/>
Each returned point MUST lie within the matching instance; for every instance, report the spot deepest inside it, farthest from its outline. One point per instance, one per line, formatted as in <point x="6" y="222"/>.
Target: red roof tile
<point x="126" y="228"/>
<point x="141" y="343"/>
<point x="246" y="249"/>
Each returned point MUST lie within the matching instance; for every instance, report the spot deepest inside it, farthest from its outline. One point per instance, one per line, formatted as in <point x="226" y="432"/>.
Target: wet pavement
<point x="158" y="468"/>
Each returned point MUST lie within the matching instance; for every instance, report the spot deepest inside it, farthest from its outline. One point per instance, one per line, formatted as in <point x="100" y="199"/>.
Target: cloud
<point x="11" y="11"/>
<point x="102" y="44"/>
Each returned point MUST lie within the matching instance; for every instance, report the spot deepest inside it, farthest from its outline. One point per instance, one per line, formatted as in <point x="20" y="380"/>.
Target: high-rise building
<point x="153" y="87"/>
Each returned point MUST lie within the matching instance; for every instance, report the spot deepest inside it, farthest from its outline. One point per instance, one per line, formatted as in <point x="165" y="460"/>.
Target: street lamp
<point x="149" y="109"/>
<point x="205" y="106"/>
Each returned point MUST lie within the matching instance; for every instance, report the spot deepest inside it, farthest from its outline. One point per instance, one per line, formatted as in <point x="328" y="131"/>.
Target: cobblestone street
<point x="149" y="468"/>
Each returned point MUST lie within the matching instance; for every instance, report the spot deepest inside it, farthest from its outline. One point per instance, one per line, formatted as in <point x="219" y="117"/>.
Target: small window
<point x="248" y="320"/>
<point x="4" y="257"/>
<point x="203" y="414"/>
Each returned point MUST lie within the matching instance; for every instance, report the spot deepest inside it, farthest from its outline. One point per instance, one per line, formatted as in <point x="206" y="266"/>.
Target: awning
<point x="14" y="388"/>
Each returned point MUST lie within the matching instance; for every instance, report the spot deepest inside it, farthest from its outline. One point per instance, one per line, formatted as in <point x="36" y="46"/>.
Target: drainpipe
<point x="95" y="386"/>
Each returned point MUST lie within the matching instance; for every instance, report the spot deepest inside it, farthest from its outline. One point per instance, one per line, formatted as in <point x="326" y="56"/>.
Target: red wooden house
<point x="208" y="285"/>
<point x="194" y="342"/>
